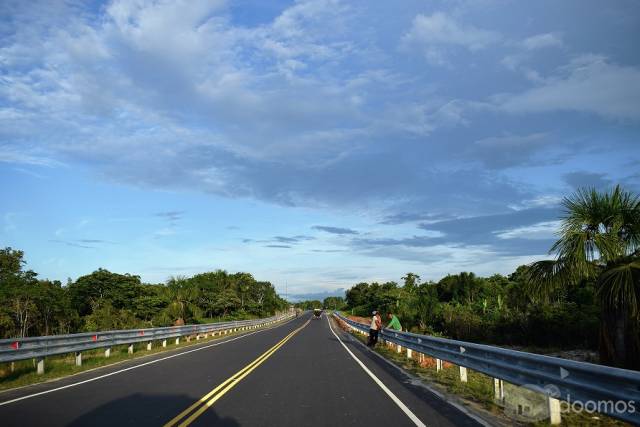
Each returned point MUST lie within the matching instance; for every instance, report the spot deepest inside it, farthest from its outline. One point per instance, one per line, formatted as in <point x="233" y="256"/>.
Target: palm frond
<point x="608" y="224"/>
<point x="544" y="278"/>
<point x="619" y="286"/>
<point x="577" y="252"/>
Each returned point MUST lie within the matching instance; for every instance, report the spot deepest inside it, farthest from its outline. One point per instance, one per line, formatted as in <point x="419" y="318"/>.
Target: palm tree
<point x="182" y="296"/>
<point x="599" y="240"/>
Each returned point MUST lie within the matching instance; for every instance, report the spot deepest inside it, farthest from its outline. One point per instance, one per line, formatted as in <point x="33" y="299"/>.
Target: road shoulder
<point x="457" y="407"/>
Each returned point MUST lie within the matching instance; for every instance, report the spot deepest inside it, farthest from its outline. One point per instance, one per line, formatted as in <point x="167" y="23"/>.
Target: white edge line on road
<point x="137" y="366"/>
<point x="419" y="383"/>
<point x="384" y="388"/>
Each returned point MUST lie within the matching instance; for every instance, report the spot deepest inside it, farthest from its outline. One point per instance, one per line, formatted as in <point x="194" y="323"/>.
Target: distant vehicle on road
<point x="316" y="313"/>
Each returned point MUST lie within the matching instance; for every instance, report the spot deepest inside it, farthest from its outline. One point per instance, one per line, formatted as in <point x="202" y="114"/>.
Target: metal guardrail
<point x="558" y="378"/>
<point x="15" y="349"/>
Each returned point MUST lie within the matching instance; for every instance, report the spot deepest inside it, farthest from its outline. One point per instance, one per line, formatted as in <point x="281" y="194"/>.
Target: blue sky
<point x="313" y="143"/>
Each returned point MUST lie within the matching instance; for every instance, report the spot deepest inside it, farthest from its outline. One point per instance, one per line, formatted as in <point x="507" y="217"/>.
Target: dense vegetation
<point x="496" y="310"/>
<point x="104" y="300"/>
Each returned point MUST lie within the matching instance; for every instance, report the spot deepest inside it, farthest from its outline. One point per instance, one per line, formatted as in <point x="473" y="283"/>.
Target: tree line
<point x="103" y="300"/>
<point x="493" y="310"/>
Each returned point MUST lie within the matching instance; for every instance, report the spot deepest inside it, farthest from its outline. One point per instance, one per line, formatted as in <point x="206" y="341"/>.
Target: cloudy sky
<point x="313" y="143"/>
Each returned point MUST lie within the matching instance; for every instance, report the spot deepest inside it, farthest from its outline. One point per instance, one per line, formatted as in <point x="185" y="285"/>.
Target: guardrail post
<point x="463" y="374"/>
<point x="197" y="337"/>
<point x="177" y="340"/>
<point x="438" y="365"/>
<point x="498" y="389"/>
<point x="149" y="346"/>
<point x="13" y="366"/>
<point x="409" y="354"/>
<point x="399" y="348"/>
<point x="164" y="343"/>
<point x="107" y="352"/>
<point x="40" y="365"/>
<point x="554" y="411"/>
<point x="130" y="349"/>
<point x="78" y="358"/>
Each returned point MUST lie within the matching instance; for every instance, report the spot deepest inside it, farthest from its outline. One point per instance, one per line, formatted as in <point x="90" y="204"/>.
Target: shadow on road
<point x="145" y="409"/>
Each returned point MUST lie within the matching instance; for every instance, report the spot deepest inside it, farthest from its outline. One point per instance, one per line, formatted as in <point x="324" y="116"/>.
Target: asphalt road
<point x="297" y="374"/>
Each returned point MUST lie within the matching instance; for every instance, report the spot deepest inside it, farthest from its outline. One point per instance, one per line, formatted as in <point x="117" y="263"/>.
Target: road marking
<point x="384" y="388"/>
<point x="137" y="366"/>
<point x="206" y="401"/>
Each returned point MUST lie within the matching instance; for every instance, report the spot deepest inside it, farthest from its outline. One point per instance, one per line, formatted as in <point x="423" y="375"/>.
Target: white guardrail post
<point x="498" y="390"/>
<point x="554" y="411"/>
<point x="611" y="391"/>
<point x="38" y="348"/>
<point x="463" y="374"/>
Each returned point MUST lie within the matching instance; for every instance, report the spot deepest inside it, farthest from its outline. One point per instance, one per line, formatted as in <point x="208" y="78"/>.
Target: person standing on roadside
<point x="394" y="323"/>
<point x="374" y="329"/>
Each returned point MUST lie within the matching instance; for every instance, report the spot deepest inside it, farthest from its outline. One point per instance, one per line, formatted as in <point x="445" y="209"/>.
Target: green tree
<point x="120" y="289"/>
<point x="411" y="281"/>
<point x="226" y="302"/>
<point x="183" y="297"/>
<point x="105" y="317"/>
<point x="56" y="316"/>
<point x="599" y="240"/>
<point x="309" y="304"/>
<point x="334" y="303"/>
<point x="18" y="290"/>
<point x="151" y="301"/>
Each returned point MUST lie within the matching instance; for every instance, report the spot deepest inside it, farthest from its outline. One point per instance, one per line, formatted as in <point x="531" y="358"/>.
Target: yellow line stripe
<point x="204" y="398"/>
<point x="207" y="405"/>
<point x="228" y="384"/>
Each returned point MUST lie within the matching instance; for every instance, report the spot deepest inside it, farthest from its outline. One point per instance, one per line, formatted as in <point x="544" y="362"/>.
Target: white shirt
<point x="373" y="323"/>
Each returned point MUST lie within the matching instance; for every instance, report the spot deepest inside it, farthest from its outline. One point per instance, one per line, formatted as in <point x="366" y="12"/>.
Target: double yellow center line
<point x="184" y="419"/>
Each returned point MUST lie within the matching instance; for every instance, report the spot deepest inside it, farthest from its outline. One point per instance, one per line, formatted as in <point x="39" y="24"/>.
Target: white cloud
<point x="422" y="119"/>
<point x="540" y="41"/>
<point x="13" y="155"/>
<point x="432" y="34"/>
<point x="540" y="231"/>
<point x="545" y="200"/>
<point x="589" y="84"/>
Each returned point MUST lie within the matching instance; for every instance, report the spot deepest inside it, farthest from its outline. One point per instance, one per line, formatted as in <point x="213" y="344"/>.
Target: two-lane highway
<point x="300" y="373"/>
